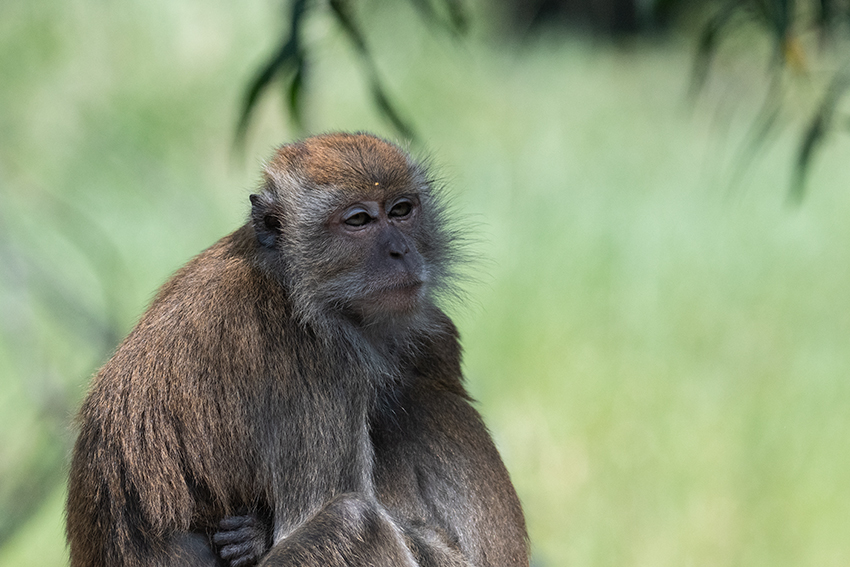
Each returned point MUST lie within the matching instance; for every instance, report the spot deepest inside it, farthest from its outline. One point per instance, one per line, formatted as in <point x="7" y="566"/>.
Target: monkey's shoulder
<point x="221" y="287"/>
<point x="222" y="277"/>
<point x="214" y="317"/>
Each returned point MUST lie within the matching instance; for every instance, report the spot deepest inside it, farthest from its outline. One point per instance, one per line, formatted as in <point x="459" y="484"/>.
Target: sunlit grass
<point x="662" y="357"/>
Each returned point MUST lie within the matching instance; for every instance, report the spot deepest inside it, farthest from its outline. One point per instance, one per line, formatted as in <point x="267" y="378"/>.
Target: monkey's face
<point x="382" y="267"/>
<point x="354" y="227"/>
<point x="357" y="252"/>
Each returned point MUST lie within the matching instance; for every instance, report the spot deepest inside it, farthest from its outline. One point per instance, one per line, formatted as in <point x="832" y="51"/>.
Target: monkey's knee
<point x="357" y="515"/>
<point x="350" y="531"/>
<point x="349" y="508"/>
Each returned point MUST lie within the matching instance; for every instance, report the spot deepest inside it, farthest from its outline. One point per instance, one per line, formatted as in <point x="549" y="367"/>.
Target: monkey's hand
<point x="242" y="540"/>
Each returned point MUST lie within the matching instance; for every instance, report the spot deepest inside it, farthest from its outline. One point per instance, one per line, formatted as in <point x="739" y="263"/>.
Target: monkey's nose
<point x="398" y="252"/>
<point x="396" y="244"/>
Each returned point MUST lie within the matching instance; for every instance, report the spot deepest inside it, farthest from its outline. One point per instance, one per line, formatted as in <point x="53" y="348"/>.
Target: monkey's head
<point x="353" y="227"/>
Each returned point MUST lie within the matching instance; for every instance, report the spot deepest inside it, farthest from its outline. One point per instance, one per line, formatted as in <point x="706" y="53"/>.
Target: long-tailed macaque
<point x="293" y="395"/>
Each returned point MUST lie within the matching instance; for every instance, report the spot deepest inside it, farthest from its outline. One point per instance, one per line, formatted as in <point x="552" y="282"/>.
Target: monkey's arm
<point x="350" y="530"/>
<point x="438" y="472"/>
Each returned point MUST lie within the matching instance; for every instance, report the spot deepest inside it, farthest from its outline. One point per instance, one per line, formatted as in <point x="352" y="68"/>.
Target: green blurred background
<point x="659" y="341"/>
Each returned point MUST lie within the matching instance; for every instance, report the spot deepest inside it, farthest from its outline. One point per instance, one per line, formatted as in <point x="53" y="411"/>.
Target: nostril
<point x="395" y="244"/>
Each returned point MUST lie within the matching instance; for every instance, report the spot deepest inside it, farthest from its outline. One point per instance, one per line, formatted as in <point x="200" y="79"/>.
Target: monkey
<point x="294" y="396"/>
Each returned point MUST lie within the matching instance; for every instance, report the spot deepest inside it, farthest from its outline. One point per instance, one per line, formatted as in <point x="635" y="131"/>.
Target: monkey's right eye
<point x="358" y="218"/>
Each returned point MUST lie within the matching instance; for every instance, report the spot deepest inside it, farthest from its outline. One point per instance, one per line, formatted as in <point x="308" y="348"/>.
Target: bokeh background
<point x="657" y="334"/>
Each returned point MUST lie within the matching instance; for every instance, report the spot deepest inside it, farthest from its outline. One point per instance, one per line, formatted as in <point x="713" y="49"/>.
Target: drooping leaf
<point x="709" y="39"/>
<point x="294" y="93"/>
<point x="458" y="17"/>
<point x="288" y="57"/>
<point x="817" y="129"/>
<point x="455" y="21"/>
<point x="389" y="111"/>
<point x="342" y="11"/>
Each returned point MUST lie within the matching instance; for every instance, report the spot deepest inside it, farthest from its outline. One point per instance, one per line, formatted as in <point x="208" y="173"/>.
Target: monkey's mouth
<point x="411" y="285"/>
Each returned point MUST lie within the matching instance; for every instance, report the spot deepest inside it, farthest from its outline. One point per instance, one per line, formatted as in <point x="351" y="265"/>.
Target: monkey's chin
<point x="402" y="299"/>
<point x="395" y="301"/>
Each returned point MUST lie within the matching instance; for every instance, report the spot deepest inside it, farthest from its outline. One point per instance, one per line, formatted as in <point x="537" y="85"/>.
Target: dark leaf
<point x="388" y="110"/>
<point x="342" y="12"/>
<point x="817" y="129"/>
<point x="276" y="65"/>
<point x="294" y="93"/>
<point x="761" y="128"/>
<point x="288" y="56"/>
<point x="456" y="20"/>
<point x="458" y="17"/>
<point x="826" y="14"/>
<point x="709" y="39"/>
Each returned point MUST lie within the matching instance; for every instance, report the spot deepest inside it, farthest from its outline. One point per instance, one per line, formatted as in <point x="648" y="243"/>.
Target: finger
<point x="235" y="522"/>
<point x="229" y="552"/>
<point x="234" y="536"/>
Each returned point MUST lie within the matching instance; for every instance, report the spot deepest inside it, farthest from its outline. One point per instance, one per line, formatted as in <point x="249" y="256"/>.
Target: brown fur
<point x="249" y="387"/>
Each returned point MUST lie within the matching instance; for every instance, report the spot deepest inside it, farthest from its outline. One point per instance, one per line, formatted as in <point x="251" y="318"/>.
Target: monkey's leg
<point x="432" y="548"/>
<point x="348" y="532"/>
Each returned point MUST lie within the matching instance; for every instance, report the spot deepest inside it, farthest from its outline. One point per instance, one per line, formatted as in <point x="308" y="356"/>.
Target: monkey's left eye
<point x="401" y="209"/>
<point x="358" y="218"/>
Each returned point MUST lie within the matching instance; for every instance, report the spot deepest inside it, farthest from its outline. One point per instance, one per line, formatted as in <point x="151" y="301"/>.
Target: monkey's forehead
<point x="345" y="161"/>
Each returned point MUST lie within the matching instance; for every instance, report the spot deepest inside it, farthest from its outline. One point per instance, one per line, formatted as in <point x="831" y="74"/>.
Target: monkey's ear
<point x="266" y="221"/>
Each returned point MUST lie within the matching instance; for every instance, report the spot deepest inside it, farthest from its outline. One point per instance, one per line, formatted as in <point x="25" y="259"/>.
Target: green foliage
<point x="805" y="36"/>
<point x="663" y="362"/>
<point x="291" y="59"/>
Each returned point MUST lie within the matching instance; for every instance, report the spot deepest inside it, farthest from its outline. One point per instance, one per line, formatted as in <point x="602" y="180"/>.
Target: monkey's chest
<point x="313" y="449"/>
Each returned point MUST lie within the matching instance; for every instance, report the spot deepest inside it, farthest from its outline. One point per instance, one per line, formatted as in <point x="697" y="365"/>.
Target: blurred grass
<point x="662" y="357"/>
